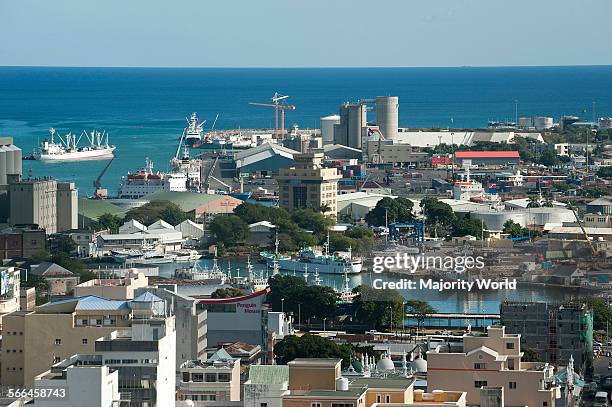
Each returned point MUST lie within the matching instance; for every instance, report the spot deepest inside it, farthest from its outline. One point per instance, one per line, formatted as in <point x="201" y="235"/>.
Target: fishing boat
<point x="193" y="132"/>
<point x="67" y="148"/>
<point x="203" y="274"/>
<point x="186" y="255"/>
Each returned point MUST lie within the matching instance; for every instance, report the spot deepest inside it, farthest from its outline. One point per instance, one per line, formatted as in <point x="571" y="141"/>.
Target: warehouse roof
<point x="187" y="201"/>
<point x="487" y="154"/>
<point x="94" y="208"/>
<point x="262" y="152"/>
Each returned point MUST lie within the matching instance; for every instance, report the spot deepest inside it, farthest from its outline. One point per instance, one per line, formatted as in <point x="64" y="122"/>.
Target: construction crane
<point x="586" y="236"/>
<point x="278" y="103"/>
<point x="102" y="193"/>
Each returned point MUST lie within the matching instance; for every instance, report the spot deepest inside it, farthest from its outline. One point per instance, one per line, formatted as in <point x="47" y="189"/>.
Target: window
<point x="185" y="376"/>
<point x="58" y="341"/>
<point x="84" y="341"/>
<point x="387" y="398"/>
<point x="544" y="403"/>
<point x="198" y="377"/>
<point x="224" y="377"/>
<point x="56" y="359"/>
<point x="263" y="404"/>
<point x="480" y="383"/>
<point x="480" y="366"/>
<point x="509" y="345"/>
<point x="315" y="404"/>
<point x="512" y="385"/>
<point x="342" y="405"/>
<point x="211" y="377"/>
<point x="378" y="398"/>
<point x="510" y="364"/>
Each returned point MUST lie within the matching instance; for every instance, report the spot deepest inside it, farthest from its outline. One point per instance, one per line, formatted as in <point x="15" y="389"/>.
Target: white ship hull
<point x="323" y="268"/>
<point x="93" y="154"/>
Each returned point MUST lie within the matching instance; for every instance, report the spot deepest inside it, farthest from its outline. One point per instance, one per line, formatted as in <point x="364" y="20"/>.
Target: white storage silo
<point x="17" y="157"/>
<point x="387" y="113"/>
<point x="10" y="159"/>
<point x="3" y="171"/>
<point x="542" y="123"/>
<point x="327" y="128"/>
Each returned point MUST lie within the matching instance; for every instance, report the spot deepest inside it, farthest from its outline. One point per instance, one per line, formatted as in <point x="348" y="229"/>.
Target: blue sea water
<point x="144" y="109"/>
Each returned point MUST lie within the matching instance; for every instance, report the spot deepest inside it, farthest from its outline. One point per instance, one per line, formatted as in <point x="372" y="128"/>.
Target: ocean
<point x="145" y="109"/>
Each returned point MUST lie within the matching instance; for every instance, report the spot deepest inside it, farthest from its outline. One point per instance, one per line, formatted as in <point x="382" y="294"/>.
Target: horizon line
<point x="303" y="67"/>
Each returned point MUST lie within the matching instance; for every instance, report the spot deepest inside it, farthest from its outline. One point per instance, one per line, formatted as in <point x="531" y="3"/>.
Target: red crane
<point x="278" y="103"/>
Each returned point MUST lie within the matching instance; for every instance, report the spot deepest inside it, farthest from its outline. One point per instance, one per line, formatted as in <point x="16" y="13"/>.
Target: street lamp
<point x="324" y="319"/>
<point x="282" y="305"/>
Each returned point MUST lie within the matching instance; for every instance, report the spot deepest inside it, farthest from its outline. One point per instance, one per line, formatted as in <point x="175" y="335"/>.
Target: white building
<point x="266" y="386"/>
<point x="466" y="138"/>
<point x="83" y="380"/>
<point x="9" y="291"/>
<point x="166" y="239"/>
<point x="216" y="379"/>
<point x="191" y="231"/>
<point x="280" y="324"/>
<point x="358" y="204"/>
<point x="144" y="355"/>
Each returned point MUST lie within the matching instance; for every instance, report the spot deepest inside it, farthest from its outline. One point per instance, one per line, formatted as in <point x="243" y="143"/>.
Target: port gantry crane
<point x="278" y="103"/>
<point x="101" y="193"/>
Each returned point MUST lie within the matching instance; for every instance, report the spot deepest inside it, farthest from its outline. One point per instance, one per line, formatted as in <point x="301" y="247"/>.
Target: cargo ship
<point x="68" y="149"/>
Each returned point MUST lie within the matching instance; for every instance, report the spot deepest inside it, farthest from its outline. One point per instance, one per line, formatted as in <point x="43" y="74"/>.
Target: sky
<point x="304" y="33"/>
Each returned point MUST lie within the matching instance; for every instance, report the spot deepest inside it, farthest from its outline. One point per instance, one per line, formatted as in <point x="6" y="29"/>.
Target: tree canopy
<point x="229" y="229"/>
<point x="378" y="308"/>
<point x="390" y="210"/>
<point x="228" y="292"/>
<point x="311" y="346"/>
<point x="311" y="301"/>
<point x="151" y="212"/>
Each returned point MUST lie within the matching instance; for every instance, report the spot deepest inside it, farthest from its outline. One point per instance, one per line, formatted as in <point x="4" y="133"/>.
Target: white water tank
<point x="342" y="384"/>
<point x="542" y="123"/>
<point x="327" y="128"/>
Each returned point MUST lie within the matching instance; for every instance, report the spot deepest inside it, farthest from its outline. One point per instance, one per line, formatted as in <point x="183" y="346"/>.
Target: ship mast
<point x="306" y="272"/>
<point x="317" y="278"/>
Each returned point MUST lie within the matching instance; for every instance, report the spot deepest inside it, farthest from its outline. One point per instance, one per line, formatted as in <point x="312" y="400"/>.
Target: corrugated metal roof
<point x="269" y="374"/>
<point x="147" y="297"/>
<point x="487" y="154"/>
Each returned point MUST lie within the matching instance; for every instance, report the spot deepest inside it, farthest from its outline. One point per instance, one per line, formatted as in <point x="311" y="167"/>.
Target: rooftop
<point x="187" y="201"/>
<point x="268" y="374"/>
<point x="323" y="362"/>
<point x="487" y="154"/>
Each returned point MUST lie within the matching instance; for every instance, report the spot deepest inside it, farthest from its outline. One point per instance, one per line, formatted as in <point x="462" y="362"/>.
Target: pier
<point x="451" y="320"/>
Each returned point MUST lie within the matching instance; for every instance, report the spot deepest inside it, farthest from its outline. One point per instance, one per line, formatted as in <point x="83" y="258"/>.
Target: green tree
<point x="229" y="229"/>
<point x="421" y="309"/>
<point x="514" y="229"/>
<point x="602" y="312"/>
<point x="468" y="226"/>
<point x="108" y="221"/>
<point x="63" y="243"/>
<point x="605" y="172"/>
<point x="151" y="212"/>
<point x="293" y="294"/>
<point x="438" y="214"/>
<point x="228" y="292"/>
<point x="378" y="308"/>
<point x="530" y="355"/>
<point x="390" y="210"/>
<point x="311" y="346"/>
<point x="309" y="219"/>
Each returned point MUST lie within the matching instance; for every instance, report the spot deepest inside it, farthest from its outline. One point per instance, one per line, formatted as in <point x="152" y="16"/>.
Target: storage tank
<point x="17" y="156"/>
<point x="342" y="384"/>
<point x="327" y="128"/>
<point x="10" y="159"/>
<point x="495" y="220"/>
<point x="3" y="172"/>
<point x="357" y="120"/>
<point x="525" y="122"/>
<point x="387" y="113"/>
<point x="542" y="123"/>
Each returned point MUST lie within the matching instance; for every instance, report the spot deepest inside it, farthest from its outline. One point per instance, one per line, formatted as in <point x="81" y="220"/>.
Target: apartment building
<point x="216" y="379"/>
<point x="85" y="381"/>
<point x="113" y="288"/>
<point x="492" y="359"/>
<point x="318" y="383"/>
<point x="10" y="292"/>
<point x="555" y="331"/>
<point x="266" y="385"/>
<point x="308" y="184"/>
<point x="191" y="323"/>
<point x="144" y="355"/>
<point x="32" y="341"/>
<point x="22" y="242"/>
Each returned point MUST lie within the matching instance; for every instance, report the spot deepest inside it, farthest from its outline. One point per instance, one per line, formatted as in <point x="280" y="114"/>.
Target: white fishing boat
<point x="187" y="255"/>
<point x="202" y="274"/>
<point x="194" y="131"/>
<point x="68" y="148"/>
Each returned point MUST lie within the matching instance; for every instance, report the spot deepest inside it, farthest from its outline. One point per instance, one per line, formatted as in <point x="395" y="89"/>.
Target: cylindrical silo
<point x="10" y="159"/>
<point x="387" y="111"/>
<point x="17" y="157"/>
<point x="3" y="171"/>
<point x="542" y="123"/>
<point x="327" y="128"/>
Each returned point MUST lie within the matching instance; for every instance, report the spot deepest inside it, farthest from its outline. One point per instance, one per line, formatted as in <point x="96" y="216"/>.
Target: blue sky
<point x="303" y="33"/>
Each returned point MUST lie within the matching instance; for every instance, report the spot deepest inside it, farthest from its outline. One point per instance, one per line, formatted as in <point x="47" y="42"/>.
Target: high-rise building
<point x="387" y="111"/>
<point x="353" y="118"/>
<point x="308" y="184"/>
<point x="44" y="202"/>
<point x="555" y="331"/>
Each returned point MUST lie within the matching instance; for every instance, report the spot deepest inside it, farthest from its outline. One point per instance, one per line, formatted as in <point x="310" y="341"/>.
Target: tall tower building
<point x="308" y="184"/>
<point x="387" y="110"/>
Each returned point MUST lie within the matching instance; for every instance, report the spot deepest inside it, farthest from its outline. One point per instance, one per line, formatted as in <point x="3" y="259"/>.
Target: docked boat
<point x="205" y="275"/>
<point x="194" y="131"/>
<point x="67" y="148"/>
<point x="146" y="181"/>
<point x="147" y="254"/>
<point x="187" y="255"/>
<point x="310" y="259"/>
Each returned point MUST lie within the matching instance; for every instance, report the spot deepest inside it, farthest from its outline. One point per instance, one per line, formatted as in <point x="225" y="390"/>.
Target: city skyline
<point x="314" y="34"/>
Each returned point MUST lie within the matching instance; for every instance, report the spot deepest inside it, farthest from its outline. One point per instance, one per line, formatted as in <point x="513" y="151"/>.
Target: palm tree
<point x="533" y="202"/>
